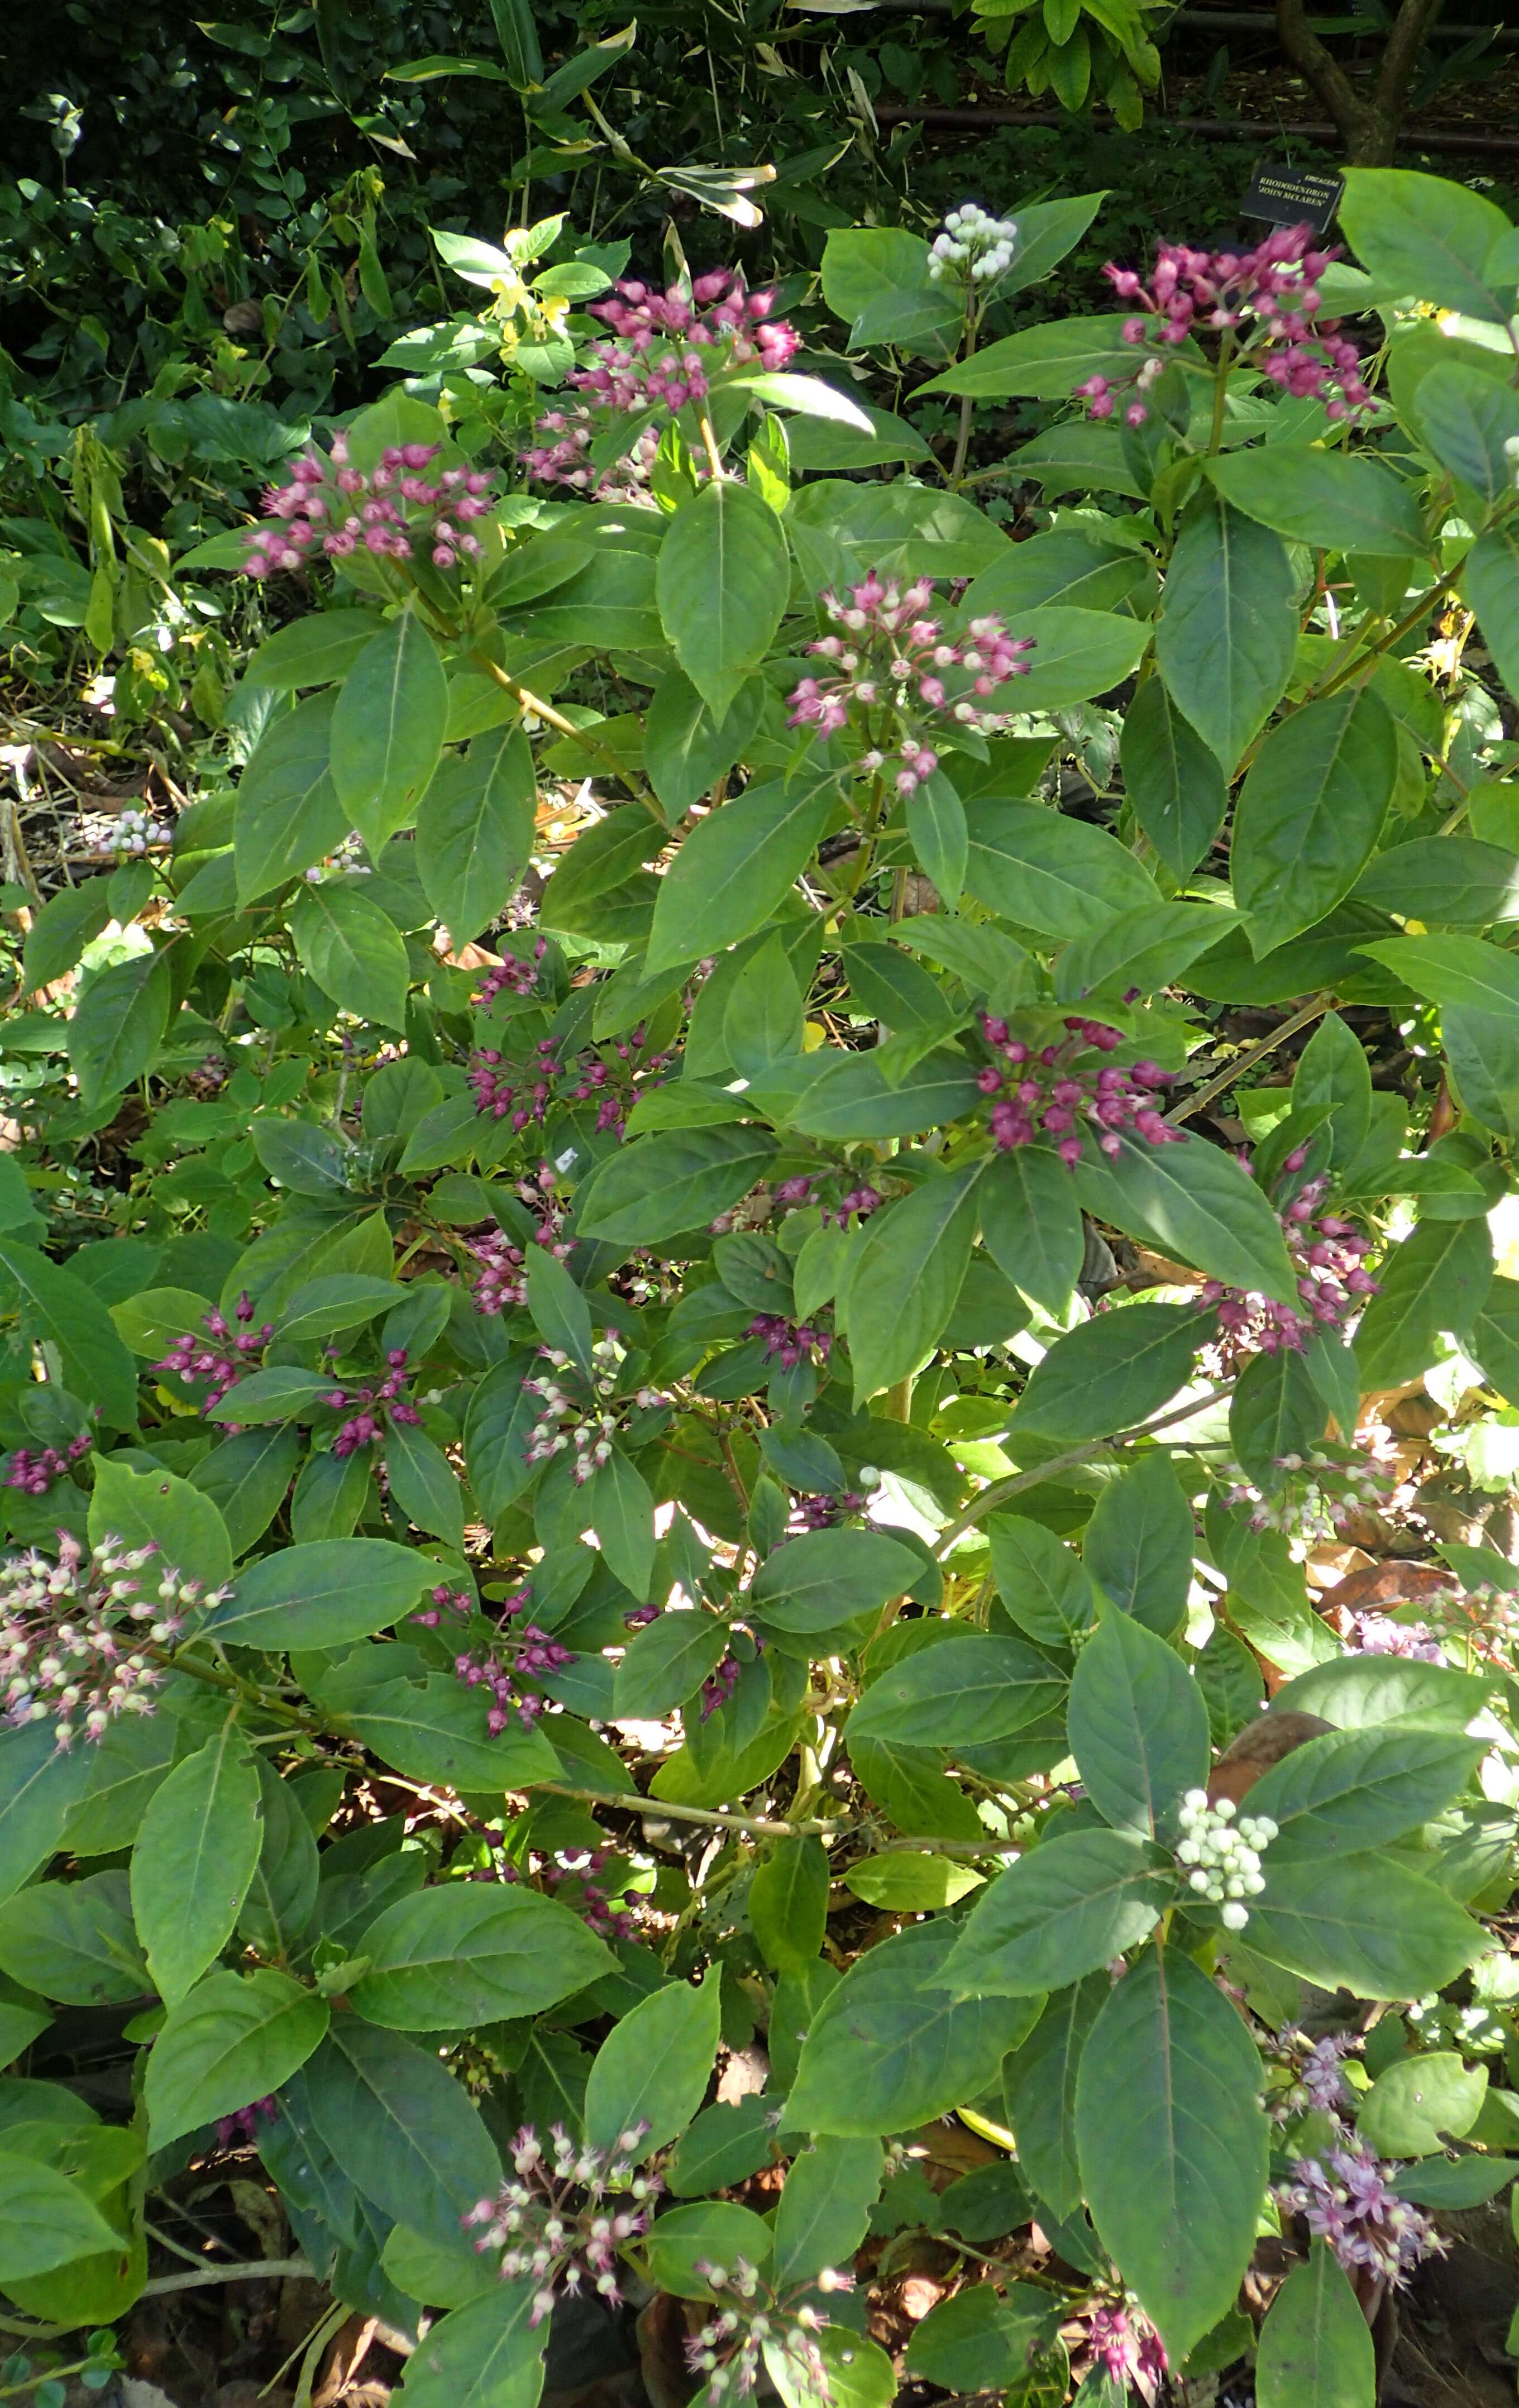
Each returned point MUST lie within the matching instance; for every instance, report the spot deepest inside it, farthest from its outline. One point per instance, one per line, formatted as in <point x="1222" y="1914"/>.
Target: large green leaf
<point x="1112" y="1372"/>
<point x="154" y="1508"/>
<point x="1139" y="1544"/>
<point x="387" y="730"/>
<point x="1197" y="1204"/>
<point x="1050" y="873"/>
<point x="1229" y="628"/>
<point x="119" y="1025"/>
<point x="960" y="1694"/>
<point x="1041" y="1584"/>
<point x="1031" y="1224"/>
<point x="58" y="1307"/>
<point x="826" y="1577"/>
<point x="1069" y="1905"/>
<point x="73" y="1941"/>
<point x="1173" y="781"/>
<point x="1173" y="2144"/>
<point x="438" y="1734"/>
<point x="1464" y="970"/>
<point x="736" y="864"/>
<point x="1355" y="1789"/>
<point x="1039" y="2083"/>
<point x="1327" y="499"/>
<point x="487" y="2352"/>
<point x="231" y="2040"/>
<point x="902" y="1283"/>
<point x="474" y="829"/>
<point x="1469" y="420"/>
<point x="1490" y="582"/>
<point x="403" y="2130"/>
<point x="1460" y="882"/>
<point x="45" y="2220"/>
<point x="679" y="1180"/>
<point x="825" y="2210"/>
<point x="287" y="816"/>
<point x="193" y="1859"/>
<point x="1316" y="2349"/>
<point x="1309" y="813"/>
<point x="652" y="2069"/>
<point x="39" y="1784"/>
<point x="1438" y="1279"/>
<point x="1138" y="1728"/>
<point x="687" y="747"/>
<point x="321" y="1595"/>
<point x="788" y="1903"/>
<point x="891" y="2047"/>
<point x="723" y="582"/>
<point x="463" y="1954"/>
<point x="1427" y="238"/>
<point x="1363" y="1920"/>
<point x="1077" y="654"/>
<point x="1043" y="363"/>
<point x="352" y="950"/>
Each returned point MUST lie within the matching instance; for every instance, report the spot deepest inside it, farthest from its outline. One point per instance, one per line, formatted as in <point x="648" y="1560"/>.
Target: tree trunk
<point x="1369" y="126"/>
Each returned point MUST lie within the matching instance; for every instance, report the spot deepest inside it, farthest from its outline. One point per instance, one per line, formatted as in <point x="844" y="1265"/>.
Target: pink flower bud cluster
<point x="442" y="1600"/>
<point x="525" y="1090"/>
<point x="1377" y="1634"/>
<point x="378" y="1401"/>
<point x="1191" y="291"/>
<point x="539" y="1653"/>
<point x="562" y="2214"/>
<point x="226" y="1361"/>
<point x="1332" y="1281"/>
<point x="394" y="513"/>
<point x="664" y="349"/>
<point x="522" y="1090"/>
<point x="790" y="1343"/>
<point x="510" y="975"/>
<point x="826" y="1513"/>
<point x="589" y="1899"/>
<point x="1313" y="2068"/>
<point x="72" y="1634"/>
<point x="34" y="1474"/>
<point x="893" y="663"/>
<point x="728" y="2352"/>
<point x="1346" y="2198"/>
<point x="1125" y="2344"/>
<point x="244" y="2123"/>
<point x="1048" y="1091"/>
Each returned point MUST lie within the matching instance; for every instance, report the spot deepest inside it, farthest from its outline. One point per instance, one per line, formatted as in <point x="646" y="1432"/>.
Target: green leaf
<point x="686" y="747"/>
<point x="1138" y="1727"/>
<point x="193" y="1859"/>
<point x="1467" y="2181"/>
<point x="826" y="1577"/>
<point x="464" y="1954"/>
<point x="1056" y="875"/>
<point x="788" y="1903"/>
<point x="1424" y="236"/>
<point x="1333" y="1071"/>
<point x="1043" y="363"/>
<point x="1039" y="2082"/>
<point x="345" y="1300"/>
<point x="1196" y="1204"/>
<point x="1438" y="1279"/>
<point x="45" y="2220"/>
<point x="321" y="1595"/>
<point x="723" y="582"/>
<point x="67" y="922"/>
<point x="1113" y="1372"/>
<point x="274" y="1395"/>
<point x="619" y="1502"/>
<point x="1464" y="970"/>
<point x="154" y="1509"/>
<point x="1066" y="1907"/>
<point x="723" y="2147"/>
<point x="1276" y="1410"/>
<point x="666" y="1663"/>
<point x="1460" y="882"/>
<point x="935" y="820"/>
<point x="1139" y="950"/>
<point x="1356" y="1692"/>
<point x="518" y="37"/>
<point x="475" y="827"/>
<point x="736" y="867"/>
<point x="890" y="2048"/>
<point x="402" y="2129"/>
<point x="1031" y="1224"/>
<point x="387" y="730"/>
<point x="232" y="2039"/>
<point x="352" y="950"/>
<point x="39" y="1784"/>
<point x="316" y="650"/>
<point x="487" y="2352"/>
<point x="438" y="1734"/>
<point x="1077" y="654"/>
<point x="1327" y="499"/>
<point x="119" y="1025"/>
<point x="1175" y="785"/>
<point x="960" y="1694"/>
<point x="1139" y="1544"/>
<point x="877" y="278"/>
<point x="423" y="1485"/>
<point x="1315" y="2345"/>
<point x="686" y="2241"/>
<point x="1363" y="1920"/>
<point x="680" y="1180"/>
<point x="1045" y="1590"/>
<point x="652" y="2069"/>
<point x="902" y="1282"/>
<point x="1358" y="1789"/>
<point x="856" y="2372"/>
<point x="1228" y="632"/>
<point x="855" y="1099"/>
<point x="825" y="2210"/>
<point x="979" y="2340"/>
<point x="907" y="1883"/>
<point x="1420" y="2103"/>
<point x="1468" y="420"/>
<point x="73" y="1942"/>
<point x="287" y="816"/>
<point x="1172" y="2143"/>
<point x="1309" y="813"/>
<point x="1490" y="583"/>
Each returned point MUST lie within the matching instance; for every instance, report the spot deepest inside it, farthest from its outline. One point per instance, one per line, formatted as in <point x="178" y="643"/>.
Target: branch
<point x="1322" y="68"/>
<point x="267" y="2269"/>
<point x="1000" y="1490"/>
<point x="1412" y="29"/>
<point x="1248" y="1059"/>
<point x="637" y="1803"/>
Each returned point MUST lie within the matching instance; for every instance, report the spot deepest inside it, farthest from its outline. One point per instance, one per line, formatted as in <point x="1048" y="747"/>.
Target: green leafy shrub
<point x="643" y="1403"/>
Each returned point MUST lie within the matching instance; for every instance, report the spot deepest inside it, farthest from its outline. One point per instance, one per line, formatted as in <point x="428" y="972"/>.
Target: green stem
<point x="1248" y="1059"/>
<point x="636" y="1803"/>
<point x="1001" y="1490"/>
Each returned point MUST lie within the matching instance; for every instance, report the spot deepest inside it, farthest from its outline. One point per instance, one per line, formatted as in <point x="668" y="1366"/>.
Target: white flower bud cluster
<point x="973" y="243"/>
<point x="133" y="832"/>
<point x="1224" y="1855"/>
